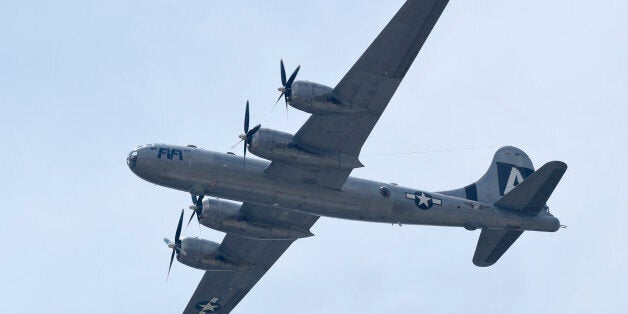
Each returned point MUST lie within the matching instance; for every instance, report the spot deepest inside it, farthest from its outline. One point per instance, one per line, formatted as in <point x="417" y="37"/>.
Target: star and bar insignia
<point x="423" y="200"/>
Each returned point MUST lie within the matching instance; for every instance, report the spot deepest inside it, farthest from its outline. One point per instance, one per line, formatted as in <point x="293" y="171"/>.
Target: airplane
<point x="264" y="205"/>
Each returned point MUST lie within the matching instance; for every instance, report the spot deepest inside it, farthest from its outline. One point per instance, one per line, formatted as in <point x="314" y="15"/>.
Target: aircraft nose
<point x="131" y="160"/>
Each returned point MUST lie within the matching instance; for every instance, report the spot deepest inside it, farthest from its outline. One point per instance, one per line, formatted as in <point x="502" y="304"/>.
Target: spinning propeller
<point x="247" y="137"/>
<point x="176" y="245"/>
<point x="197" y="207"/>
<point x="286" y="86"/>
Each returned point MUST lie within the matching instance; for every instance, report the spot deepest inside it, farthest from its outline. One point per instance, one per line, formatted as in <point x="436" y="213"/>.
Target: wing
<point x="221" y="291"/>
<point x="370" y="84"/>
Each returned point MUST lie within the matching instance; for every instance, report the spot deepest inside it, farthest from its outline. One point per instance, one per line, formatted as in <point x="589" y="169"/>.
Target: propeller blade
<point x="292" y="77"/>
<point x="198" y="208"/>
<point x="246" y="132"/>
<point x="253" y="131"/>
<point x="276" y="102"/>
<point x="177" y="240"/>
<point x="278" y="99"/>
<point x="246" y="118"/>
<point x="249" y="135"/>
<point x="232" y="147"/>
<point x="177" y="234"/>
<point x="286" y="85"/>
<point x="283" y="73"/>
<point x="244" y="160"/>
<point x="169" y="267"/>
<point x="189" y="221"/>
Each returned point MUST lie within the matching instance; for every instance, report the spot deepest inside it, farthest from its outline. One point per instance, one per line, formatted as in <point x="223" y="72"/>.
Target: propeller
<point x="197" y="207"/>
<point x="176" y="245"/>
<point x="286" y="86"/>
<point x="247" y="137"/>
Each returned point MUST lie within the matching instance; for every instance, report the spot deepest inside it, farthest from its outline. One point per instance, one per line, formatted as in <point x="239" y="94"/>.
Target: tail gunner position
<point x="275" y="201"/>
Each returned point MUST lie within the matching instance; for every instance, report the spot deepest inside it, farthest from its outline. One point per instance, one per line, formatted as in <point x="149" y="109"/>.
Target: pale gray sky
<point x="83" y="82"/>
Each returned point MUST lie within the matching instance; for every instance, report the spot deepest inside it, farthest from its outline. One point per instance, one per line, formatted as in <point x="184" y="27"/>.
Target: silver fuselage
<point x="225" y="176"/>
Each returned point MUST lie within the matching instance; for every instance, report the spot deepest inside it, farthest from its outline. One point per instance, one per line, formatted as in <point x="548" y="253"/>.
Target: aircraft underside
<point x="263" y="206"/>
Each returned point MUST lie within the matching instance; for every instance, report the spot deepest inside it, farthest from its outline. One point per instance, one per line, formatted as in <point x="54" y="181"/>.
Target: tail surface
<point x="510" y="183"/>
<point x="532" y="194"/>
<point x="492" y="244"/>
<point x="510" y="166"/>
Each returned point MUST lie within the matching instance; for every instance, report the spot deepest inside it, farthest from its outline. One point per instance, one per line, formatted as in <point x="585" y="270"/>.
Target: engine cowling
<point x="279" y="146"/>
<point x="204" y="254"/>
<point x="226" y="216"/>
<point x="317" y="99"/>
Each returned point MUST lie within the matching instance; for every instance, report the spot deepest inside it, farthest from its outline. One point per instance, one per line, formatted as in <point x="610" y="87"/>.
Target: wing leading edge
<point x="369" y="84"/>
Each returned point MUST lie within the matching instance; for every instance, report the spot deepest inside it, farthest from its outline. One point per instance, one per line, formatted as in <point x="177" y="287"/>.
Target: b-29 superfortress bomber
<point x="263" y="206"/>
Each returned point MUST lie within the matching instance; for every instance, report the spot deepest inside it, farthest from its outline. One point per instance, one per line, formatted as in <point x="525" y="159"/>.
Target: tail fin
<point x="510" y="183"/>
<point x="510" y="166"/>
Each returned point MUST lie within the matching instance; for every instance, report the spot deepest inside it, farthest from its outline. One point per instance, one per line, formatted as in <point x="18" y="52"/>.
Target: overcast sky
<point x="84" y="82"/>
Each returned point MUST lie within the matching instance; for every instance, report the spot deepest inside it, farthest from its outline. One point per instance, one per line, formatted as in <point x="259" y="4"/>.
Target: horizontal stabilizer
<point x="492" y="244"/>
<point x="531" y="194"/>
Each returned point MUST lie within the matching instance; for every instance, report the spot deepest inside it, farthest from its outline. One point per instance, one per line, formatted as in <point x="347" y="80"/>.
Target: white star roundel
<point x="208" y="306"/>
<point x="423" y="200"/>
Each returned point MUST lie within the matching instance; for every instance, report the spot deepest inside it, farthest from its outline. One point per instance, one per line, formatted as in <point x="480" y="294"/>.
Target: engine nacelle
<point x="204" y="254"/>
<point x="279" y="146"/>
<point x="226" y="217"/>
<point x="317" y="99"/>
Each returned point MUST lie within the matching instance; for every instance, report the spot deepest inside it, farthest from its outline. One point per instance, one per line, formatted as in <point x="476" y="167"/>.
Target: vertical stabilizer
<point x="510" y="166"/>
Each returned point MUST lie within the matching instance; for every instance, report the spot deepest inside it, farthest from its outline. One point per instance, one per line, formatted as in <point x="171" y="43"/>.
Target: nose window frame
<point x="132" y="159"/>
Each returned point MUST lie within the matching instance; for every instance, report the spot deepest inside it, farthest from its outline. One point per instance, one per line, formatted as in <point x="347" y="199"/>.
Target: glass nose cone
<point x="131" y="161"/>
